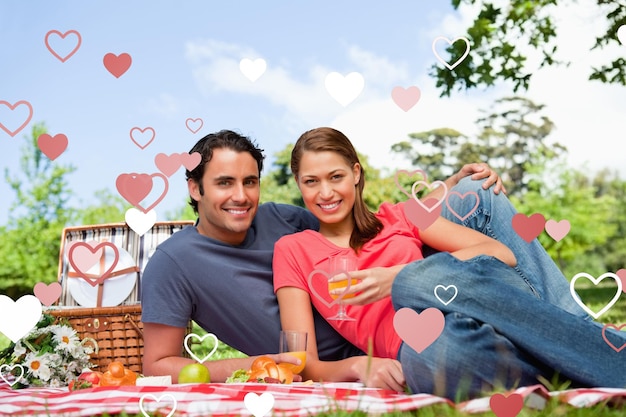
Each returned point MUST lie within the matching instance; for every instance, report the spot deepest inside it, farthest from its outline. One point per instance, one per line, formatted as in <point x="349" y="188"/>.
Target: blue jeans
<point x="507" y="326"/>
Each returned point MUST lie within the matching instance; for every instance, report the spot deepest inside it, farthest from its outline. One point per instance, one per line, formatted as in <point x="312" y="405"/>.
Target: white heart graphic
<point x="189" y="351"/>
<point x="595" y="282"/>
<point x="23" y="315"/>
<point x="450" y="42"/>
<point x="441" y="287"/>
<point x="252" y="69"/>
<point x="344" y="89"/>
<point x="430" y="187"/>
<point x="139" y="221"/>
<point x="621" y="34"/>
<point x="157" y="400"/>
<point x="10" y="369"/>
<point x="259" y="405"/>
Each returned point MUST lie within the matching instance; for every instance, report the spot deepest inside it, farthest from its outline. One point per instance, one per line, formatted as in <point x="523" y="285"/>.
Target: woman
<point x="477" y="349"/>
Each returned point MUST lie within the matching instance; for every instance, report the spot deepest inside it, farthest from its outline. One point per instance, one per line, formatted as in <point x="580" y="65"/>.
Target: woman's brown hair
<point x="366" y="224"/>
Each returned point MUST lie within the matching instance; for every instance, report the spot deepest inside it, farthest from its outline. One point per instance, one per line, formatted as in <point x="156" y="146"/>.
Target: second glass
<point x="294" y="343"/>
<point x="341" y="264"/>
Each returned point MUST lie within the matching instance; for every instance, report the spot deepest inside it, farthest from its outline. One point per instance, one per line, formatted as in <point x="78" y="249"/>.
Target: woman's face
<point x="327" y="183"/>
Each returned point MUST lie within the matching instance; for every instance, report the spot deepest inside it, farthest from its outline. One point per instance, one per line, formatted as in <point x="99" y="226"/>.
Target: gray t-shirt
<point x="228" y="290"/>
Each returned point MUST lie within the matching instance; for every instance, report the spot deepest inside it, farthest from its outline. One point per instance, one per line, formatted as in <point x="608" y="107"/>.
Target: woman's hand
<point x="380" y="373"/>
<point x="373" y="284"/>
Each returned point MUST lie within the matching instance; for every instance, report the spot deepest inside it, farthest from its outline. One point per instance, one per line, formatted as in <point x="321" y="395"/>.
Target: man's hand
<point x="479" y="171"/>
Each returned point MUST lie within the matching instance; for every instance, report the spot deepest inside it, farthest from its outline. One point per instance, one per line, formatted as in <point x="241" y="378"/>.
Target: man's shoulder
<point x="296" y="216"/>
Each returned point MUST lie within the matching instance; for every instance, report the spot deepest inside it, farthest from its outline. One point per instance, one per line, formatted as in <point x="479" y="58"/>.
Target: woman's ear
<point x="356" y="171"/>
<point x="295" y="178"/>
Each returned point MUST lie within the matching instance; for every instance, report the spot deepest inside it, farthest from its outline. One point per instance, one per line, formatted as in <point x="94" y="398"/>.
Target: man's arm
<point x="163" y="348"/>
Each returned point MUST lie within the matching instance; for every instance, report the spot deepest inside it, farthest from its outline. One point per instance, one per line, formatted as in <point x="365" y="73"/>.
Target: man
<point x="219" y="272"/>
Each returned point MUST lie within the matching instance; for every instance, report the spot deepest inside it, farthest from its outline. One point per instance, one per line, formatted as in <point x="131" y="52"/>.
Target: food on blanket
<point x="194" y="373"/>
<point x="240" y="375"/>
<point x="87" y="379"/>
<point x="265" y="369"/>
<point x="117" y="375"/>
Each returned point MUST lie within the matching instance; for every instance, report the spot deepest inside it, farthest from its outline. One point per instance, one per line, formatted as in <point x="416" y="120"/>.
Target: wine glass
<point x="294" y="343"/>
<point x="341" y="264"/>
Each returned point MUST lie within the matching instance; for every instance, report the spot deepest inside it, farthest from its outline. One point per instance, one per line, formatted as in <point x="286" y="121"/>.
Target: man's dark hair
<point x="222" y="139"/>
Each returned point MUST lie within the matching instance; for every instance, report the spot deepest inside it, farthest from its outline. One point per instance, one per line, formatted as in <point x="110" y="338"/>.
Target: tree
<point x="29" y="246"/>
<point x="512" y="139"/>
<point x="499" y="34"/>
<point x="30" y="242"/>
<point x="571" y="196"/>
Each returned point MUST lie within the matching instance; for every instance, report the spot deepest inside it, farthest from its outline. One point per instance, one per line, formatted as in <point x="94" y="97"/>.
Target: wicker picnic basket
<point x="116" y="329"/>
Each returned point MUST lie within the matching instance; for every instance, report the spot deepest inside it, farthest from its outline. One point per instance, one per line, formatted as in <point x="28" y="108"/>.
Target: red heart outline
<point x="340" y="297"/>
<point x="462" y="196"/>
<point x="409" y="174"/>
<point x="93" y="249"/>
<point x="13" y="107"/>
<point x="134" y="194"/>
<point x="194" y="121"/>
<point x="142" y="131"/>
<point x="63" y="35"/>
<point x="606" y="339"/>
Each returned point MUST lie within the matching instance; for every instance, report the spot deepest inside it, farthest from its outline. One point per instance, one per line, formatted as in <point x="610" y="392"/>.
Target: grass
<point x="594" y="296"/>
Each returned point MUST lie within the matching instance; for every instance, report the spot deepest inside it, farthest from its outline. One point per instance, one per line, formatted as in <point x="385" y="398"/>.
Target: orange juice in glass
<point x="293" y="343"/>
<point x="341" y="265"/>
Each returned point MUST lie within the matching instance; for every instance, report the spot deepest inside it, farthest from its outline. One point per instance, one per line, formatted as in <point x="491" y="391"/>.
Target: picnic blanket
<point x="220" y="400"/>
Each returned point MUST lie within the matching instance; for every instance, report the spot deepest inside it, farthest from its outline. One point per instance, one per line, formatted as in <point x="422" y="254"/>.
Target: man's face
<point x="231" y="195"/>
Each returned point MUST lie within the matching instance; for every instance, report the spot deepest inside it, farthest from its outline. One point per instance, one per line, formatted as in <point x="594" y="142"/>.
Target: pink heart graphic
<point x="421" y="217"/>
<point x="167" y="164"/>
<point x="608" y="342"/>
<point x="528" y="228"/>
<point x="52" y="146"/>
<point x="506" y="406"/>
<point x="191" y="122"/>
<point x="406" y="98"/>
<point x="419" y="330"/>
<point x="409" y="174"/>
<point x="462" y="197"/>
<point x="117" y="65"/>
<point x="136" y="187"/>
<point x="47" y="293"/>
<point x="191" y="161"/>
<point x="621" y="274"/>
<point x="139" y="136"/>
<point x="62" y="36"/>
<point x="557" y="230"/>
<point x="317" y="295"/>
<point x="12" y="107"/>
<point x="84" y="258"/>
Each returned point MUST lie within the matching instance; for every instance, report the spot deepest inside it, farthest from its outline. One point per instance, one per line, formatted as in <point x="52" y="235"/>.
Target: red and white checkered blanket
<point x="266" y="399"/>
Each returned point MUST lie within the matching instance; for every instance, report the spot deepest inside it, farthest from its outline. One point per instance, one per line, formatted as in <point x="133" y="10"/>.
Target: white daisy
<point x="66" y="338"/>
<point x="38" y="366"/>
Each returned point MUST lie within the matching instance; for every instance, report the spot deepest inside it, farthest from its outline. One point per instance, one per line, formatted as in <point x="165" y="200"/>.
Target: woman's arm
<point x="464" y="242"/>
<point x="296" y="314"/>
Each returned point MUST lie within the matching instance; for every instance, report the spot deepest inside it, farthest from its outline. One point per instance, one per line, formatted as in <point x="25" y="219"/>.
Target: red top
<point x="298" y="254"/>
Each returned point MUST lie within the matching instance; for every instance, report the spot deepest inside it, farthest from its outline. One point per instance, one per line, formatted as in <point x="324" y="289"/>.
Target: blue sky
<point x="185" y="58"/>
